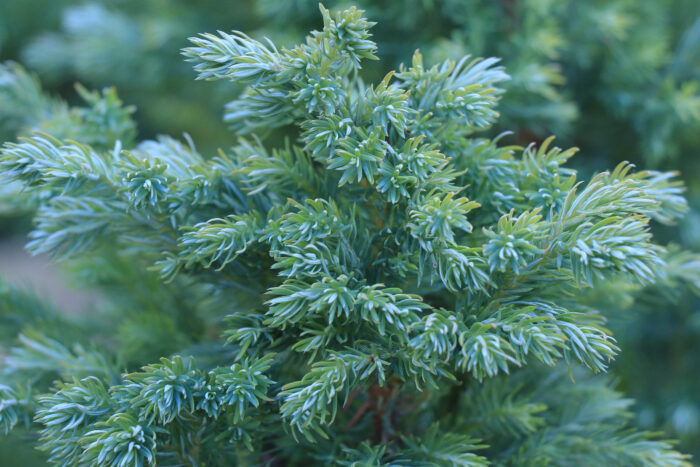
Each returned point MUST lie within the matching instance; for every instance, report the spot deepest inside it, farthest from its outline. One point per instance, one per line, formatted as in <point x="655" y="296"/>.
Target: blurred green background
<point x="618" y="78"/>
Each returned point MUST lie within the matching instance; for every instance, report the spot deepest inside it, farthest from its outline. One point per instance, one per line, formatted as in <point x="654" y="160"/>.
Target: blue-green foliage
<point x="380" y="271"/>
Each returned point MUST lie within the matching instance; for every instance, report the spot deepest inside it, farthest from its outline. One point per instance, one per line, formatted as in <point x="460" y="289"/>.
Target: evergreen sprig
<point x="382" y="269"/>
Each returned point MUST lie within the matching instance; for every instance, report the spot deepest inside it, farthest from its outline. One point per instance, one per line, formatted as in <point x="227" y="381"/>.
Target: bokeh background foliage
<point x="617" y="78"/>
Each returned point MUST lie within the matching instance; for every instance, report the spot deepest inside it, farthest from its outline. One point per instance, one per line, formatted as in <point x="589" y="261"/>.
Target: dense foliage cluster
<point x="624" y="72"/>
<point x="386" y="287"/>
<point x="610" y="76"/>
